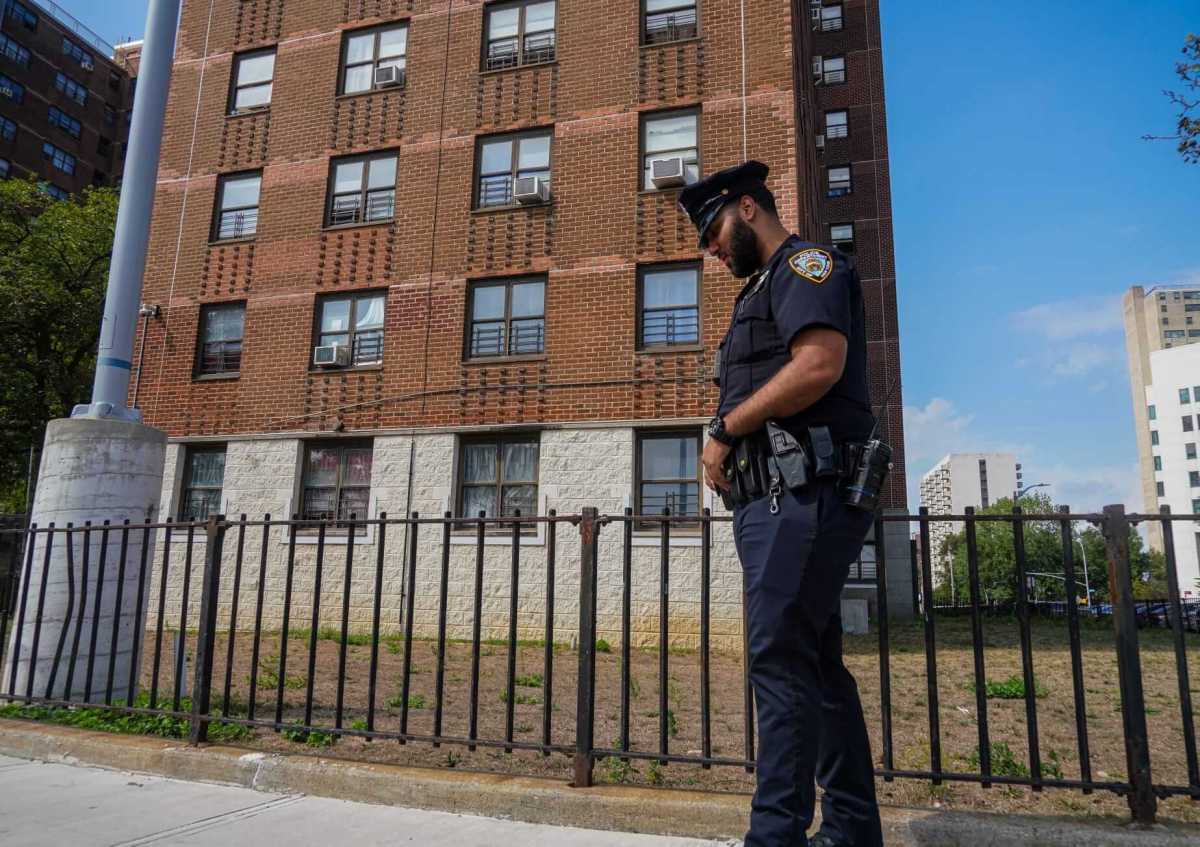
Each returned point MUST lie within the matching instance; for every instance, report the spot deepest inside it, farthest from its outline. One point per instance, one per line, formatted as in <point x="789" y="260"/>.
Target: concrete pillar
<point x="899" y="567"/>
<point x="91" y="470"/>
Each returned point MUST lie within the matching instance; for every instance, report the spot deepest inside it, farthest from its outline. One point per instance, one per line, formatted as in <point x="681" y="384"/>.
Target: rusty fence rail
<point x="70" y="657"/>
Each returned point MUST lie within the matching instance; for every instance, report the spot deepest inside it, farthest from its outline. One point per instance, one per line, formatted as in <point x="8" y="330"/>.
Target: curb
<point x="654" y="811"/>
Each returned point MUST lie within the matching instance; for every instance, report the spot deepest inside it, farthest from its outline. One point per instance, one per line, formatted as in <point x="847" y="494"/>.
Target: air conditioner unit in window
<point x="667" y="173"/>
<point x="818" y="68"/>
<point x="331" y="356"/>
<point x="531" y="190"/>
<point x="820" y="141"/>
<point x="388" y="75"/>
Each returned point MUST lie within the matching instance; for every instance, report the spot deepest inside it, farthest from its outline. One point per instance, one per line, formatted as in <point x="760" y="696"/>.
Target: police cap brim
<point x="703" y="200"/>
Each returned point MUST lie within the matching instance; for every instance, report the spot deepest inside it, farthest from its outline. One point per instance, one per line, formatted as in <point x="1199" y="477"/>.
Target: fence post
<point x="1142" y="802"/>
<point x="214" y="531"/>
<point x="585" y="705"/>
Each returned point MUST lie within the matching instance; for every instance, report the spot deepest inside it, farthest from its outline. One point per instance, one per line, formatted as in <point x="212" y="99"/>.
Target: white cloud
<point x="1082" y="357"/>
<point x="1089" y="489"/>
<point x="1078" y="317"/>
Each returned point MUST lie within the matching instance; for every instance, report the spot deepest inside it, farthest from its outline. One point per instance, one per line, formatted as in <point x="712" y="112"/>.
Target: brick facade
<point x="587" y="243"/>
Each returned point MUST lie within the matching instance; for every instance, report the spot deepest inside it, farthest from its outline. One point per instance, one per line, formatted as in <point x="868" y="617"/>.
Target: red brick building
<point x="64" y="99"/>
<point x="415" y="254"/>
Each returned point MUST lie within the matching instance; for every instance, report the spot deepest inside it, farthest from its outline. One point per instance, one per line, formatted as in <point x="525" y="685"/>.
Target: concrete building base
<point x="106" y="472"/>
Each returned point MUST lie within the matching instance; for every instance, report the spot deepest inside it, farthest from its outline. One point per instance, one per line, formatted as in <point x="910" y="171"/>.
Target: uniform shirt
<point x="802" y="286"/>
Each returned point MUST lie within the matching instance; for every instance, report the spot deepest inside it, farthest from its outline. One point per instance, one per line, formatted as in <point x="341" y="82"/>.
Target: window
<point x="668" y="474"/>
<point x="54" y="191"/>
<point x="203" y="477"/>
<point x="8" y="129"/>
<point x="362" y="189"/>
<point x="669" y="301"/>
<point x="675" y="135"/>
<point x="508" y="318"/>
<point x="1194" y="333"/>
<point x="75" y="90"/>
<point x="58" y="157"/>
<point x="220" y="338"/>
<point x="83" y="57"/>
<point x="1191" y="307"/>
<point x="337" y="481"/>
<point x="1185" y="396"/>
<point x="19" y="12"/>
<point x="110" y="116"/>
<point x="354" y="321"/>
<point x="1194" y="479"/>
<point x="833" y="69"/>
<point x="1163" y="308"/>
<point x="1187" y="423"/>
<point x="1151" y="413"/>
<point x="836" y="125"/>
<point x="842" y="237"/>
<point x="1196" y="507"/>
<point x="11" y="89"/>
<point x="1174" y="333"/>
<point x="13" y="51"/>
<point x="498" y="476"/>
<point x="1158" y="463"/>
<point x="519" y="33"/>
<point x="237" y="206"/>
<point x="505" y="159"/>
<point x="829" y="19"/>
<point x="253" y="78"/>
<point x="368" y="52"/>
<point x="1160" y="489"/>
<point x="57" y="117"/>
<point x="4" y="168"/>
<point x="839" y="181"/>
<point x="103" y="146"/>
<point x="668" y="20"/>
<point x="1153" y="438"/>
<point x="1189" y="450"/>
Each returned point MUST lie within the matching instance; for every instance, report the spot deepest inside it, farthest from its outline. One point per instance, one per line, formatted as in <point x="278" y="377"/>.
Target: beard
<point x="743" y="250"/>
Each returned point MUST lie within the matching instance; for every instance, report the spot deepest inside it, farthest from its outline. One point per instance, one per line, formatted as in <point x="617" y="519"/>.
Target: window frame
<point x="56" y="117"/>
<point x="680" y="5"/>
<point x="643" y="435"/>
<point x="839" y="244"/>
<point x="14" y="51"/>
<point x="231" y="108"/>
<point x="219" y="211"/>
<point x="845" y="127"/>
<point x="8" y="129"/>
<point x="830" y="191"/>
<point x="17" y="90"/>
<point x="198" y="370"/>
<point x="644" y="119"/>
<point x="22" y="13"/>
<point x="190" y="451"/>
<point x="1188" y="423"/>
<point x="640" y="305"/>
<point x="80" y="54"/>
<point x="71" y="88"/>
<point x="1193" y="479"/>
<point x="338" y="526"/>
<point x="364" y="190"/>
<point x="828" y="77"/>
<point x="59" y="158"/>
<point x="354" y="297"/>
<point x="514" y="172"/>
<point x="375" y="32"/>
<point x="500" y="439"/>
<point x="488" y="9"/>
<point x="824" y="24"/>
<point x="1154" y="438"/>
<point x="469" y="317"/>
<point x="1189" y="450"/>
<point x="6" y="171"/>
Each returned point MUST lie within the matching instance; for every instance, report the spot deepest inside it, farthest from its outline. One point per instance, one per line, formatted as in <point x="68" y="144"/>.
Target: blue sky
<point x="1025" y="203"/>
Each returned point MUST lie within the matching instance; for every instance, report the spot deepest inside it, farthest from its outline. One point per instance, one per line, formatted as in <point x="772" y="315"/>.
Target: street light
<point x="1020" y="491"/>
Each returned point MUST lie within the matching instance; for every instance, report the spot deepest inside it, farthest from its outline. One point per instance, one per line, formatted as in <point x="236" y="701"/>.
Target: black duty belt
<point x="774" y="459"/>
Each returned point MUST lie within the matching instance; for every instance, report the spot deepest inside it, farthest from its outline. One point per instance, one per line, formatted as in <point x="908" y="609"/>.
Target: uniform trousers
<point x="810" y="719"/>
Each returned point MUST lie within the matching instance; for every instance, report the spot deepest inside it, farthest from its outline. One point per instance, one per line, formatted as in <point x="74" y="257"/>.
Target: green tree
<point x="54" y="257"/>
<point x="1187" y="127"/>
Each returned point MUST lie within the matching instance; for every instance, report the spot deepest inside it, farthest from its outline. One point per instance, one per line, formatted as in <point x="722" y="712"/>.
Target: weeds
<point x="106" y="720"/>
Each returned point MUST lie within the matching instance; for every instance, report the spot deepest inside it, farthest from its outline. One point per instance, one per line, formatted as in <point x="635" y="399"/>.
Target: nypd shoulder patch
<point x="812" y="263"/>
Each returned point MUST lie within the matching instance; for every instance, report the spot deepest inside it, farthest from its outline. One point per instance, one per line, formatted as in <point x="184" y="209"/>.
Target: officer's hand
<point x="713" y="459"/>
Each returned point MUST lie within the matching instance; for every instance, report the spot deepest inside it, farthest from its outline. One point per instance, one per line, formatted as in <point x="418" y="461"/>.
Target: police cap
<point x="702" y="200"/>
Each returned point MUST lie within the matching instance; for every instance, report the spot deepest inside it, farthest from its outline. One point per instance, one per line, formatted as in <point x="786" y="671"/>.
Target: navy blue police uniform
<point x="796" y="547"/>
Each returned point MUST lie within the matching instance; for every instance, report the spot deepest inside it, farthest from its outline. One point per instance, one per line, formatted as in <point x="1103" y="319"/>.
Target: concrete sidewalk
<point x="54" y="804"/>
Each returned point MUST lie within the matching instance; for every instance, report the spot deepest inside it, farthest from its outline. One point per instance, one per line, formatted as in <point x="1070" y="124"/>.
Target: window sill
<point x="670" y="348"/>
<point x="504" y="360"/>
<point x="217" y="377"/>
<point x="362" y="225"/>
<point x="245" y="113"/>
<point x="511" y="207"/>
<point x="385" y="89"/>
<point x="347" y="369"/>
<point x="527" y="65"/>
<point x="693" y="40"/>
<point x="654" y="191"/>
<point x="225" y="242"/>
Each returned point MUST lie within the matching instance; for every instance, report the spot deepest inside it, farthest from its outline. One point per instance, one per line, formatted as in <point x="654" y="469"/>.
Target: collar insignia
<point x="813" y="264"/>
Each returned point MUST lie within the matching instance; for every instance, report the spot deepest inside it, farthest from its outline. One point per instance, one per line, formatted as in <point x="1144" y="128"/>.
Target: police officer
<point x="795" y="354"/>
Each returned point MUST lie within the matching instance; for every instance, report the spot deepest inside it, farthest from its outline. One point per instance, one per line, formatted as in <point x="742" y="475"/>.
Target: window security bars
<point x="237" y="210"/>
<point x="520" y="33"/>
<point x="669" y="20"/>
<point x="256" y="568"/>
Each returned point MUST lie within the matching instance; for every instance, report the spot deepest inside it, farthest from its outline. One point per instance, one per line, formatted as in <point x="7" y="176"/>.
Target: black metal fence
<point x="570" y="547"/>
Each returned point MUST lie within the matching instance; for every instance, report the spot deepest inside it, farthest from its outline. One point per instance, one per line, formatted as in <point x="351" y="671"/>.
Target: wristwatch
<point x="717" y="431"/>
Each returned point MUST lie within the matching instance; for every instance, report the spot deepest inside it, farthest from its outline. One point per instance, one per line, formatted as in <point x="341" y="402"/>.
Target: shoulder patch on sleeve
<point x="812" y="263"/>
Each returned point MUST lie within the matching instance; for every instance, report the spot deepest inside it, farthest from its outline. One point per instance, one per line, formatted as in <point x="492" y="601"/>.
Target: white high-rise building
<point x="965" y="479"/>
<point x="1173" y="415"/>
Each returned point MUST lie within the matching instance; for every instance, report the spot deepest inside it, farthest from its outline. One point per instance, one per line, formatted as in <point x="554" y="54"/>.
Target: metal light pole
<point x="1022" y="491"/>
<point x="1086" y="589"/>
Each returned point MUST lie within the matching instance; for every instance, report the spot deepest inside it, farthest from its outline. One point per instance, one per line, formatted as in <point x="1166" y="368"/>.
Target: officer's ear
<point x="747" y="208"/>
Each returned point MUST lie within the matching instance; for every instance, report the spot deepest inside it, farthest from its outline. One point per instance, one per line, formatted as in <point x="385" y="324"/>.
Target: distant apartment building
<point x="1161" y="318"/>
<point x="1172" y="408"/>
<point x="965" y="479"/>
<point x="64" y="100"/>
